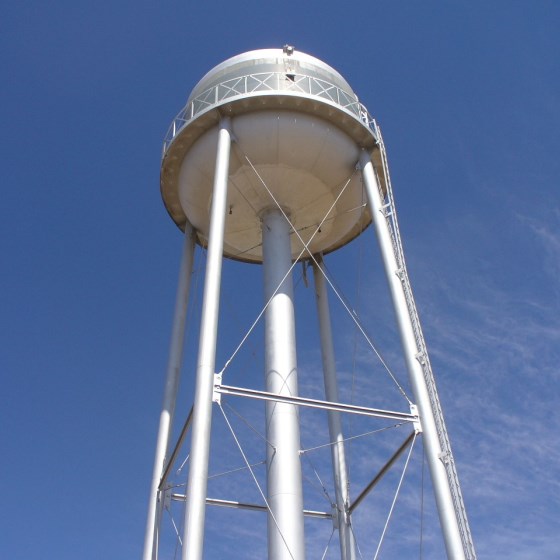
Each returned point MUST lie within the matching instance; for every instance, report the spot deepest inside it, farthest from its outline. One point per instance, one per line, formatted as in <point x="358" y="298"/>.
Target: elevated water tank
<point x="298" y="131"/>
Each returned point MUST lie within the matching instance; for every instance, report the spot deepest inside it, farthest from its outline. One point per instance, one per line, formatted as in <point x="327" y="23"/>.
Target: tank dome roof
<point x="263" y="61"/>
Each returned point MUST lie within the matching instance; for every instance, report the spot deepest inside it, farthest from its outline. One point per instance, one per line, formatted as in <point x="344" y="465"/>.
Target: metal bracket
<point x="421" y="357"/>
<point x="387" y="210"/>
<point x="165" y="498"/>
<point x="444" y="457"/>
<point x="416" y="423"/>
<point x="334" y="513"/>
<point x="216" y="395"/>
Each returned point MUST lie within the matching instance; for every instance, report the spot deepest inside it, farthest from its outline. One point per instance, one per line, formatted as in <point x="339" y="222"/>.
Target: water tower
<point x="270" y="163"/>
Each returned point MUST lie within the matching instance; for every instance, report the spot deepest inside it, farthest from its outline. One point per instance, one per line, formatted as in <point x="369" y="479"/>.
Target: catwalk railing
<point x="269" y="83"/>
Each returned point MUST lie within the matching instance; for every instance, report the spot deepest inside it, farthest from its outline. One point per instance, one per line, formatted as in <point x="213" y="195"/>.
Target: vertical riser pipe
<point x="284" y="481"/>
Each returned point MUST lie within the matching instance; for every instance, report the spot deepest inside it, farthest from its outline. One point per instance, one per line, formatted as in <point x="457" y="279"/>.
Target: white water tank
<point x="298" y="131"/>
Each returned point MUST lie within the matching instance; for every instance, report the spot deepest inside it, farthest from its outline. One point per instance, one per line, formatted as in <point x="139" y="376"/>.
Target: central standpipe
<point x="285" y="496"/>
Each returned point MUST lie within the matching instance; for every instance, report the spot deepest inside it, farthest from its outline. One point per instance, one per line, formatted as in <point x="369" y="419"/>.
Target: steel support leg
<point x="285" y="494"/>
<point x="170" y="392"/>
<point x="193" y="536"/>
<point x="340" y="475"/>
<point x="440" y="481"/>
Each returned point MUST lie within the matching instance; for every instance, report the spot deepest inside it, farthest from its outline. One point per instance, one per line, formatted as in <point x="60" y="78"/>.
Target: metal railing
<point x="423" y="358"/>
<point x="268" y="82"/>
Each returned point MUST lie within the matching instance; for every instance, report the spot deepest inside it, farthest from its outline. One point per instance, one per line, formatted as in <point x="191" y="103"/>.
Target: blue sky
<point x="467" y="95"/>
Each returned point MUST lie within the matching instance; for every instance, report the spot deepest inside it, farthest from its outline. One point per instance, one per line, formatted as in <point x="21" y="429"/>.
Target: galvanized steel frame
<point x="296" y="85"/>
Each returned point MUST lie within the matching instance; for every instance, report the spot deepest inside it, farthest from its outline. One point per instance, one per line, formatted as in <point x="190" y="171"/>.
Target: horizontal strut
<point x="314" y="403"/>
<point x="253" y="507"/>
